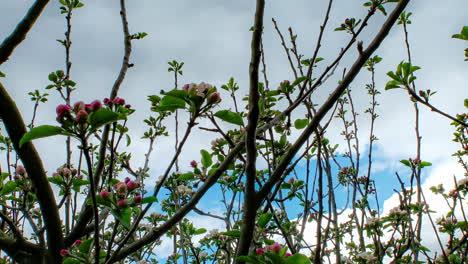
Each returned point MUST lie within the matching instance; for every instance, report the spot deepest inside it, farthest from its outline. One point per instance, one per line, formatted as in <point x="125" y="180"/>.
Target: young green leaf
<point x="299" y="80"/>
<point x="301" y="123"/>
<point x="206" y="158"/>
<point x="42" y="132"/>
<point x="230" y="117"/>
<point x="297" y="259"/>
<point x="264" y="219"/>
<point x="102" y="117"/>
<point x="8" y="188"/>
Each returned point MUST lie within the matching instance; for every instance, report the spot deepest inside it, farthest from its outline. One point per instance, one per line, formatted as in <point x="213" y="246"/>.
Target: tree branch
<point x="21" y="30"/>
<point x="250" y="202"/>
<point x="355" y="69"/>
<point x="16" y="128"/>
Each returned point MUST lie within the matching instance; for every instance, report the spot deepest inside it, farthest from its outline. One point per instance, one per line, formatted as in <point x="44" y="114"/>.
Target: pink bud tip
<point x="131" y="185"/>
<point x="137" y="199"/>
<point x="104" y="194"/>
<point x="122" y="203"/>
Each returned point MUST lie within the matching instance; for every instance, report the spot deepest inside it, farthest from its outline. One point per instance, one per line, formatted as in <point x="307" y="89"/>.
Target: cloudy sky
<point x="212" y="37"/>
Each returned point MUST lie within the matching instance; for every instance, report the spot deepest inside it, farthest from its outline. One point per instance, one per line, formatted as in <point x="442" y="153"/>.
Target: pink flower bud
<point x="186" y="87"/>
<point x="79" y="106"/>
<point x="118" y="101"/>
<point x="95" y="105"/>
<point x="214" y="98"/>
<point x="291" y="181"/>
<point x="107" y="101"/>
<point x="121" y="187"/>
<point x="131" y="185"/>
<point x="137" y="199"/>
<point x="77" y="242"/>
<point x="62" y="111"/>
<point x="64" y="252"/>
<point x="74" y="172"/>
<point x="128" y="106"/>
<point x="104" y="194"/>
<point x="66" y="172"/>
<point x="81" y="116"/>
<point x="275" y="248"/>
<point x="287" y="254"/>
<point x="260" y="251"/>
<point x="20" y="170"/>
<point x="193" y="163"/>
<point x="127" y="179"/>
<point x="122" y="203"/>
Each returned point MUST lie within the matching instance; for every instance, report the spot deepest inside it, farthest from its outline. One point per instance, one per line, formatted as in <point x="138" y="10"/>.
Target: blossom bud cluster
<point x="397" y="211"/>
<point x="273" y="248"/>
<point x="203" y="90"/>
<point x="80" y="111"/>
<point x="20" y="172"/>
<point x="66" y="173"/>
<point x="184" y="190"/>
<point x="117" y="101"/>
<point x="122" y="191"/>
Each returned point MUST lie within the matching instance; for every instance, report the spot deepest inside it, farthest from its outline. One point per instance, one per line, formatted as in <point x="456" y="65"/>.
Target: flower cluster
<point x="203" y="90"/>
<point x="116" y="102"/>
<point x="397" y="211"/>
<point x="80" y="111"/>
<point x="20" y="172"/>
<point x="123" y="190"/>
<point x="367" y="257"/>
<point x="184" y="190"/>
<point x="275" y="248"/>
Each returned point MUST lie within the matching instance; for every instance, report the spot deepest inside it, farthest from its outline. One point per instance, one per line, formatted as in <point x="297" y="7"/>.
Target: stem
<point x="92" y="188"/>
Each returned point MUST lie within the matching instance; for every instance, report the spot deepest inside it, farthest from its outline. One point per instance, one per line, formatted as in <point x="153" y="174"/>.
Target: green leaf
<point x="463" y="34"/>
<point x="200" y="231"/>
<point x="53" y="77"/>
<point x="171" y="103"/>
<point x="275" y="258"/>
<point x="301" y="123"/>
<point x="58" y="180"/>
<point x="297" y="259"/>
<point x="124" y="216"/>
<point x="8" y="188"/>
<point x="248" y="259"/>
<point x="149" y="199"/>
<point x="230" y="117"/>
<point x="186" y="177"/>
<point x="392" y="85"/>
<point x="424" y="164"/>
<point x="466" y="103"/>
<point x="406" y="162"/>
<point x="299" y="80"/>
<point x="102" y="117"/>
<point x="264" y="219"/>
<point x="85" y="246"/>
<point x="2" y="74"/>
<point x="42" y="132"/>
<point x="232" y="233"/>
<point x="71" y="261"/>
<point x="393" y="76"/>
<point x="181" y="94"/>
<point x="206" y="158"/>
